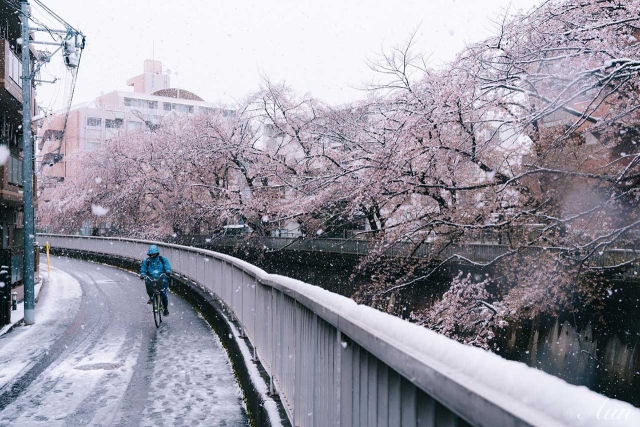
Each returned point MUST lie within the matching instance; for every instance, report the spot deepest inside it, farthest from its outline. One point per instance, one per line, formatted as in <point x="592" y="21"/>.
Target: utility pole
<point x="27" y="174"/>
<point x="70" y="45"/>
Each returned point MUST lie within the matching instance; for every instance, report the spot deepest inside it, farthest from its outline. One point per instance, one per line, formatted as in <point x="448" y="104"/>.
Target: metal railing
<point x="474" y="252"/>
<point x="335" y="363"/>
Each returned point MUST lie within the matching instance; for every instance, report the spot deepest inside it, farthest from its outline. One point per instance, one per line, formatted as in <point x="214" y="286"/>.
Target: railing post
<point x="337" y="376"/>
<point x="272" y="340"/>
<point x="300" y="359"/>
<point x="240" y="281"/>
<point x="272" y="388"/>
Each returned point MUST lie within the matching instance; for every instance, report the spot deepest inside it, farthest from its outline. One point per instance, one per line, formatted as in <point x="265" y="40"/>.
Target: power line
<point x="62" y="21"/>
<point x="74" y="73"/>
<point x="45" y="26"/>
<point x="16" y="7"/>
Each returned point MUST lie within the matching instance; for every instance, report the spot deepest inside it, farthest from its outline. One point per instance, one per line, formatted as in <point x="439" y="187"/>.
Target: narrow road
<point x="95" y="358"/>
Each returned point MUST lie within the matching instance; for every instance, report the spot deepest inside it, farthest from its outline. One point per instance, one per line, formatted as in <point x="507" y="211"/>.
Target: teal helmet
<point x="153" y="249"/>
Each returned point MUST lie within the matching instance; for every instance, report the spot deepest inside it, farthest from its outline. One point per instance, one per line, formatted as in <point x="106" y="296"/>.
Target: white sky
<point x="219" y="50"/>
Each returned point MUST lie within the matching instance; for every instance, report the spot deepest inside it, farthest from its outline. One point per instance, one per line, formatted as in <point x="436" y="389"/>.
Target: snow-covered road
<point x="94" y="357"/>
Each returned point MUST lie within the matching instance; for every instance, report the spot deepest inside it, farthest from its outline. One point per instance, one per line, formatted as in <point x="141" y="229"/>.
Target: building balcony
<point x="11" y="182"/>
<point x="10" y="74"/>
<point x="11" y="80"/>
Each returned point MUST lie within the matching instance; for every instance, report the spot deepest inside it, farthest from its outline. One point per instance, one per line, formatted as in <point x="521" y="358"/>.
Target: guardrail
<point x="336" y="363"/>
<point x="474" y="252"/>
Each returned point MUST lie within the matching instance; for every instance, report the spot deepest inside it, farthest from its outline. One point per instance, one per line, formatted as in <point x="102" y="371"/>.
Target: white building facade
<point x="87" y="126"/>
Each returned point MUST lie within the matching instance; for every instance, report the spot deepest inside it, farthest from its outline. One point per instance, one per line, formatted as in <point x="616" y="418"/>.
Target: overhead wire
<point x="13" y="4"/>
<point x="43" y="25"/>
<point x="74" y="74"/>
<point x="18" y="8"/>
<point x="55" y="15"/>
<point x="67" y="110"/>
<point x="43" y="19"/>
<point x="39" y="20"/>
<point x="56" y="91"/>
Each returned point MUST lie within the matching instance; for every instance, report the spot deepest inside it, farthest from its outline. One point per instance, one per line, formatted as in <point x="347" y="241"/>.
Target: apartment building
<point x="11" y="180"/>
<point x="85" y="127"/>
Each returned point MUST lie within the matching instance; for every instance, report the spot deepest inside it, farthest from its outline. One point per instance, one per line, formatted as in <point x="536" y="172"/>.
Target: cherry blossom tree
<point x="529" y="134"/>
<point x="465" y="313"/>
<point x="529" y="137"/>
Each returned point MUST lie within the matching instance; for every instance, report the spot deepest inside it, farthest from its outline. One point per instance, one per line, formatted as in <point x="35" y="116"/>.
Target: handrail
<point x="475" y="252"/>
<point x="337" y="363"/>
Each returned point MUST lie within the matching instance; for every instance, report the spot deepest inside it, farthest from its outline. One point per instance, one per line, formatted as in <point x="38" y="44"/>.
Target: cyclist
<point x="154" y="266"/>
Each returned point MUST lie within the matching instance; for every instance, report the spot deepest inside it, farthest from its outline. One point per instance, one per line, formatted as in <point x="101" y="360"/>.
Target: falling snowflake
<point x="98" y="210"/>
<point x="4" y="154"/>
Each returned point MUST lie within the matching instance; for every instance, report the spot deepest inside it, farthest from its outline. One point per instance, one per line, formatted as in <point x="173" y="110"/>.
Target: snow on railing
<point x="334" y="362"/>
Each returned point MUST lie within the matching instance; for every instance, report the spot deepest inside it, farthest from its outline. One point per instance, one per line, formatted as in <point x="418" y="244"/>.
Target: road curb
<point x="20" y="315"/>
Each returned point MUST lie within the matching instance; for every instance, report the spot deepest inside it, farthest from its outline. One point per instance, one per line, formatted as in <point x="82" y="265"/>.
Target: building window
<point x="92" y="145"/>
<point x="135" y="103"/>
<point x="134" y="126"/>
<point x="113" y="124"/>
<point x="50" y="134"/>
<point x="94" y="122"/>
<point x="167" y="106"/>
<point x="489" y="134"/>
<point x="14" y="68"/>
<point x="140" y="103"/>
<point x="15" y="170"/>
<point x="208" y="110"/>
<point x="181" y="108"/>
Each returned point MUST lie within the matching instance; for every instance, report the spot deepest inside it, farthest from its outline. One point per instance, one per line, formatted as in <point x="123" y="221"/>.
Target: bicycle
<point x="157" y="284"/>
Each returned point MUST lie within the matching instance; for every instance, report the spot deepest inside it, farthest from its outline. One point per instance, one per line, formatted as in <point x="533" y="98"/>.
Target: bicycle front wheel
<point x="157" y="309"/>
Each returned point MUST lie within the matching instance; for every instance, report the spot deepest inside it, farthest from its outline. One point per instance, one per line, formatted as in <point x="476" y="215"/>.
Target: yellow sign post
<point x="48" y="262"/>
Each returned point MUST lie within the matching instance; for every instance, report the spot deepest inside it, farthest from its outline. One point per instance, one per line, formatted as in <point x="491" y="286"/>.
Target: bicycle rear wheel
<point x="157" y="309"/>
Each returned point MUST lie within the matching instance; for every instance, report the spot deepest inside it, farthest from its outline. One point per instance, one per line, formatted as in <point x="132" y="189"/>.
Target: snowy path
<point x="95" y="358"/>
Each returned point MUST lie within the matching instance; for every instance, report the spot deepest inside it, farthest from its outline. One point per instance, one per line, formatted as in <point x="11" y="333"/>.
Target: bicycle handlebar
<point x="146" y="276"/>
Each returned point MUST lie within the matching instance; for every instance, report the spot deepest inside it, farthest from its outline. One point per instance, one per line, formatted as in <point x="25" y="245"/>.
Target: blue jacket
<point x="154" y="267"/>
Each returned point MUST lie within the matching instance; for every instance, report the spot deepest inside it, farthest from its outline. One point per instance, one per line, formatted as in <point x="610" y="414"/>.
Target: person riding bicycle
<point x="154" y="266"/>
